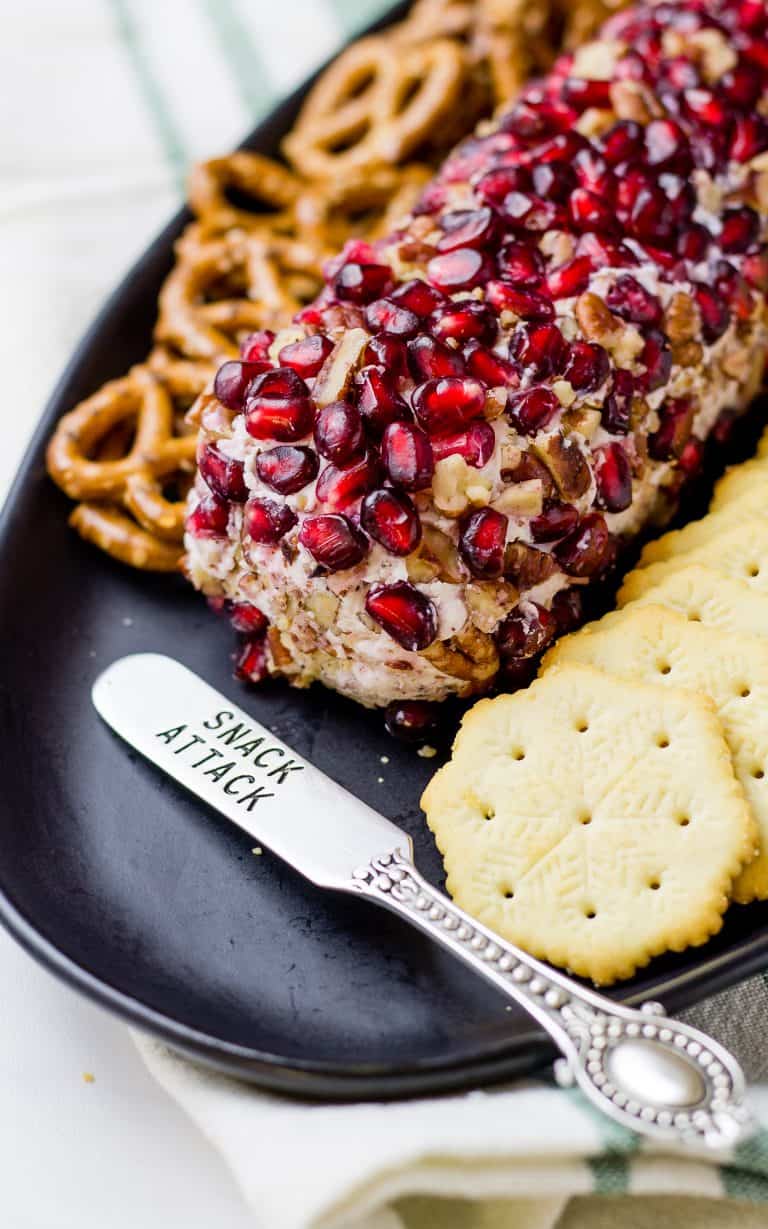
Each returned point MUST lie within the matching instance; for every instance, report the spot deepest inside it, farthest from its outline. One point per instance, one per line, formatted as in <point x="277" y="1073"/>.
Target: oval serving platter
<point x="121" y="884"/>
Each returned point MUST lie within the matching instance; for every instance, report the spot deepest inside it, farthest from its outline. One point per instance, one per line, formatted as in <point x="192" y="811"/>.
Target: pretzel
<point x="122" y="446"/>
<point x="221" y="289"/>
<point x="261" y="179"/>
<point x="377" y="103"/>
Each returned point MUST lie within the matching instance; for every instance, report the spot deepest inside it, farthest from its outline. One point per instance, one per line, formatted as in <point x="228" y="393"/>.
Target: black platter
<point x="121" y="884"/>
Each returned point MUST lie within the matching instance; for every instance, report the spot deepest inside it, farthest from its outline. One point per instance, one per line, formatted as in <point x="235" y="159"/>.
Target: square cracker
<point x="594" y="822"/>
<point x="751" y="504"/>
<point x="737" y="481"/>
<point x="709" y="597"/>
<point x="660" y="646"/>
<point x="740" y="551"/>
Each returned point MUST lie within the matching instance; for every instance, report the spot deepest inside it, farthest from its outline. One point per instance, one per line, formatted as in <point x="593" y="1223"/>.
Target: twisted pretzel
<point x="262" y="180"/>
<point x="122" y="447"/>
<point x="376" y="104"/>
<point x="221" y="289"/>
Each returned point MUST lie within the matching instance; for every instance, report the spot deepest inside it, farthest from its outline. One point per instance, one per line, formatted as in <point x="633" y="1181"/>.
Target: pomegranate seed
<point x="582" y="94"/>
<point x="521" y="264"/>
<point x="666" y="145"/>
<point x="247" y="618"/>
<point x="307" y="356"/>
<point x="680" y="196"/>
<point x="266" y="520"/>
<point x="457" y="270"/>
<point x="532" y="410"/>
<point x="553" y="181"/>
<point x="535" y="120"/>
<point x="588" y="366"/>
<point x="630" y="300"/>
<point x="407" y="455"/>
<point x="613" y="477"/>
<point x="724" y="426"/>
<point x="740" y="229"/>
<point x="734" y="289"/>
<point x="255" y="347"/>
<point x="223" y="475"/>
<point x="587" y="549"/>
<point x="567" y="610"/>
<point x="412" y="721"/>
<point x="750" y="137"/>
<point x="278" y="406"/>
<point x="339" y="434"/>
<point x="476" y="445"/>
<point x="617" y="408"/>
<point x="388" y="351"/>
<point x="757" y="52"/>
<point x="710" y="148"/>
<point x="463" y="321"/>
<point x="605" y="253"/>
<point x="674" y="431"/>
<point x="526" y="212"/>
<point x="569" y="279"/>
<point x="540" y="347"/>
<point x="526" y="631"/>
<point x="692" y="457"/>
<point x="496" y="185"/>
<point x="562" y="148"/>
<point x="554" y="521"/>
<point x="706" y="107"/>
<point x="286" y="468"/>
<point x="390" y="518"/>
<point x="481" y="542"/>
<point x="378" y="399"/>
<point x="360" y="283"/>
<point x="593" y="173"/>
<point x="338" y="488"/>
<point x="494" y="372"/>
<point x="589" y="212"/>
<point x="656" y="357"/>
<point x="251" y="661"/>
<point x="503" y="296"/>
<point x="233" y="379"/>
<point x="418" y="297"/>
<point x="430" y="359"/>
<point x="651" y="216"/>
<point x="680" y="74"/>
<point x="333" y="541"/>
<point x="693" y="242"/>
<point x="404" y="613"/>
<point x="466" y="228"/>
<point x="210" y="518"/>
<point x="742" y="85"/>
<point x="383" y="315"/>
<point x="448" y="404"/>
<point x="755" y="269"/>
<point x="714" y="313"/>
<point x="623" y="142"/>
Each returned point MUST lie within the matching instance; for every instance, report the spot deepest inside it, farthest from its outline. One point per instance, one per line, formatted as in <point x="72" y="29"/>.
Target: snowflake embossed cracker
<point x="594" y="822"/>
<point x="709" y="597"/>
<point x="660" y="646"/>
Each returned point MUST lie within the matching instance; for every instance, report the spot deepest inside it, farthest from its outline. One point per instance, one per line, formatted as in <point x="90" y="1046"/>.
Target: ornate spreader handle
<point x="656" y="1076"/>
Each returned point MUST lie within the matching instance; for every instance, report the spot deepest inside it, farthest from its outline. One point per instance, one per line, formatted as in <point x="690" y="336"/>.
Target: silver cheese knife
<point x="654" y="1075"/>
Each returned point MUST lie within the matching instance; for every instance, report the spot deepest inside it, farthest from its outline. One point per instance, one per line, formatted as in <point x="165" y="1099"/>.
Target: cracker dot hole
<point x="590" y="914"/>
<point x="753" y="570"/>
<point x="683" y="820"/>
<point x="508" y="893"/>
<point x="585" y="818"/>
<point x="694" y="617"/>
<point x="758" y="773"/>
<point x="488" y="812"/>
<point x="582" y="725"/>
<point x="664" y="667"/>
<point x="518" y="753"/>
<point x="745" y="691"/>
<point x="654" y="884"/>
<point x="662" y="741"/>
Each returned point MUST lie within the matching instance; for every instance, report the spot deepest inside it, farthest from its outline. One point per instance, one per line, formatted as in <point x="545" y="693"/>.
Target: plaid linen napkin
<point x="126" y="94"/>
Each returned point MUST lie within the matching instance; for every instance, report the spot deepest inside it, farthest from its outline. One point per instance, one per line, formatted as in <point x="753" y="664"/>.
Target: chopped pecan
<point x="338" y="371"/>
<point x="435" y="559"/>
<point x="682" y="318"/>
<point x="489" y="601"/>
<point x="596" y="320"/>
<point x="470" y="655"/>
<point x="528" y="468"/>
<point x="687" y="353"/>
<point x="567" y="464"/>
<point x="520" y="499"/>
<point x="526" y="566"/>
